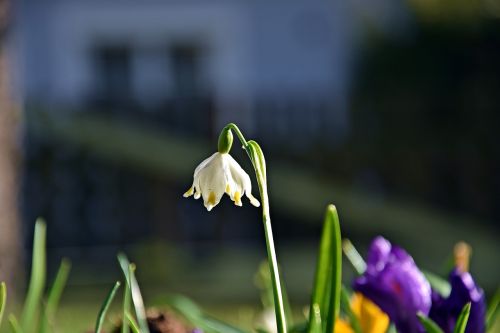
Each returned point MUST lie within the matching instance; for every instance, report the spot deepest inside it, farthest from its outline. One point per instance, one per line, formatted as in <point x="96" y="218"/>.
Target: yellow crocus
<point x="370" y="317"/>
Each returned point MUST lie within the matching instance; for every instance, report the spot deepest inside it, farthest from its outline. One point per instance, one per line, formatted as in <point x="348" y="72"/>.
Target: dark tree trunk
<point x="10" y="244"/>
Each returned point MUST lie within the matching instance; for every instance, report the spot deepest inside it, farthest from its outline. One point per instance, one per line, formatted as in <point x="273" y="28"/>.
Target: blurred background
<point x="388" y="109"/>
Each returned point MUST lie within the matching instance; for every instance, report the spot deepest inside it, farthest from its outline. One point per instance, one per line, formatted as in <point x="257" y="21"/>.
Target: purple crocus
<point x="445" y="311"/>
<point x="395" y="284"/>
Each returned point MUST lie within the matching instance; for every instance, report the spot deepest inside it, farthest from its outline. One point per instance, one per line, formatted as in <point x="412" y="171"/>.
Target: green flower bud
<point x="225" y="140"/>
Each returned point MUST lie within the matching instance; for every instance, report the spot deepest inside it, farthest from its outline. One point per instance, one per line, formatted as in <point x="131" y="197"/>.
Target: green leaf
<point x="55" y="295"/>
<point x="299" y="327"/>
<point x="336" y="274"/>
<point x="195" y="315"/>
<point x="437" y="283"/>
<point x="327" y="283"/>
<point x="315" y="323"/>
<point x="392" y="329"/>
<point x="126" y="302"/>
<point x="137" y="300"/>
<point x="37" y="281"/>
<point x="3" y="300"/>
<point x="131" y="323"/>
<point x="286" y="304"/>
<point x="263" y="281"/>
<point x="257" y="157"/>
<point x="492" y="312"/>
<point x="353" y="256"/>
<point x="345" y="303"/>
<point x="260" y="330"/>
<point x="462" y="319"/>
<point x="14" y="324"/>
<point x="429" y="324"/>
<point x="105" y="307"/>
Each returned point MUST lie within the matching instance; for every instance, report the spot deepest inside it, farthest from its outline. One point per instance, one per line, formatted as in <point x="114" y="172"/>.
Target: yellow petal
<point x="342" y="326"/>
<point x="211" y="198"/>
<point x="371" y="318"/>
<point x="228" y="189"/>
<point x="189" y="192"/>
<point x="210" y="202"/>
<point x="237" y="198"/>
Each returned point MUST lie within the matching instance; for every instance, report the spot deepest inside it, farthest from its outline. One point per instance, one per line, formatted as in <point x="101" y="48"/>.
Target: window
<point x="113" y="74"/>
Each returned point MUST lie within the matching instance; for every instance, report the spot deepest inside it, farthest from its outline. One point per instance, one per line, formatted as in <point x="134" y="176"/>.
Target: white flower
<point x="217" y="175"/>
<point x="267" y="321"/>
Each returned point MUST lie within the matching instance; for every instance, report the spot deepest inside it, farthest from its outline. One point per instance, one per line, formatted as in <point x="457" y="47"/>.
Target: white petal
<point x="204" y="163"/>
<point x="244" y="183"/>
<point x="252" y="199"/>
<point x="212" y="182"/>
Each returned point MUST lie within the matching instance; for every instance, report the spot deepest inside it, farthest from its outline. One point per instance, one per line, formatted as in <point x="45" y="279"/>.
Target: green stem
<point x="240" y="136"/>
<point x="257" y="157"/>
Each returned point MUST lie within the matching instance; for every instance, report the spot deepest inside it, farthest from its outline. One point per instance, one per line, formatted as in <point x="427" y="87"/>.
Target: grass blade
<point x="105" y="307"/>
<point x="193" y="314"/>
<point x="327" y="284"/>
<point x="131" y="323"/>
<point x="354" y="257"/>
<point x="437" y="283"/>
<point x="126" y="303"/>
<point x="37" y="280"/>
<point x="14" y="324"/>
<point x="299" y="327"/>
<point x="336" y="273"/>
<point x="429" y="324"/>
<point x="137" y="300"/>
<point x="345" y="302"/>
<point x="127" y="269"/>
<point x="323" y="272"/>
<point x="3" y="300"/>
<point x="462" y="319"/>
<point x="392" y="329"/>
<point x="264" y="282"/>
<point x="315" y="322"/>
<point x="286" y="305"/>
<point x="55" y="295"/>
<point x="490" y="314"/>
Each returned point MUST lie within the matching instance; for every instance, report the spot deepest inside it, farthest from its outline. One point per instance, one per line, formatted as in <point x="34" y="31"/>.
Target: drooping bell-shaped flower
<point x="219" y="174"/>
<point x="395" y="284"/>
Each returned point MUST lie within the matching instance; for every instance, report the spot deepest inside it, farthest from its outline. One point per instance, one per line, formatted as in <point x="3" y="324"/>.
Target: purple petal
<point x="395" y="284"/>
<point x="463" y="290"/>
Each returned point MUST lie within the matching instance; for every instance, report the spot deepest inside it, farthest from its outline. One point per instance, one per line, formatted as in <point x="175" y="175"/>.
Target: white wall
<point x="59" y="40"/>
<point x="254" y="49"/>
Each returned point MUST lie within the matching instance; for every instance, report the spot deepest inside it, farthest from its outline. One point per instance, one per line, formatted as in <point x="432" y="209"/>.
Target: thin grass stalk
<point x="105" y="307"/>
<point x="126" y="303"/>
<point x="3" y="300"/>
<point x="14" y="325"/>
<point x="55" y="295"/>
<point x="129" y="272"/>
<point x="37" y="280"/>
<point x="336" y="273"/>
<point x="462" y="319"/>
<point x="131" y="323"/>
<point x="259" y="164"/>
<point x="429" y="324"/>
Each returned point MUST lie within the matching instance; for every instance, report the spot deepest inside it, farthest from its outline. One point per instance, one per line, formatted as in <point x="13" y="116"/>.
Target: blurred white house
<point x="278" y="67"/>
